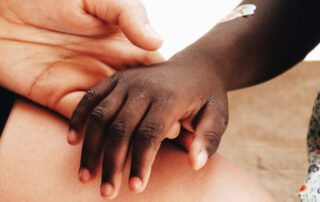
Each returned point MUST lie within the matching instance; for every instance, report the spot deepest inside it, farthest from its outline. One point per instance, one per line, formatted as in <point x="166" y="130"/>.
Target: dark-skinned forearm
<point x="249" y="50"/>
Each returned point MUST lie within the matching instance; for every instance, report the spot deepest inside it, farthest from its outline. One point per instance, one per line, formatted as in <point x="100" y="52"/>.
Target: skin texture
<point x="90" y="18"/>
<point x="50" y="55"/>
<point x="273" y="34"/>
<point x="37" y="165"/>
<point x="138" y="108"/>
<point x="42" y="45"/>
<point x="155" y="98"/>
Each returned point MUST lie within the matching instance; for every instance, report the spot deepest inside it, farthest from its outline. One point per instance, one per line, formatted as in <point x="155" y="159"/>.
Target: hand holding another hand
<point x="138" y="108"/>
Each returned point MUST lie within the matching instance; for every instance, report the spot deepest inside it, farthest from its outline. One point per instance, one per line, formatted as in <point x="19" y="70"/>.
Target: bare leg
<point x="37" y="164"/>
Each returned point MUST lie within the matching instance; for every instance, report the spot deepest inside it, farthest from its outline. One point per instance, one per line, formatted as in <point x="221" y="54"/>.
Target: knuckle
<point x="213" y="139"/>
<point x="89" y="94"/>
<point x="211" y="135"/>
<point x="99" y="114"/>
<point x="119" y="129"/>
<point x="151" y="130"/>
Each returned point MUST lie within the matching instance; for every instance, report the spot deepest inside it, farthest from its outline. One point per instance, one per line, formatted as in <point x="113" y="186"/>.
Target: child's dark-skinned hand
<point x="141" y="107"/>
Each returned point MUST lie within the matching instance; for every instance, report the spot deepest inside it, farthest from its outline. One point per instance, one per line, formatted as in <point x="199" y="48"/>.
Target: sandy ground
<point x="268" y="128"/>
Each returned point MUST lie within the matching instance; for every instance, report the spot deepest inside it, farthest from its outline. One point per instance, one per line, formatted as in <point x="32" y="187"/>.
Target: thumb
<point x="130" y="16"/>
<point x="209" y="130"/>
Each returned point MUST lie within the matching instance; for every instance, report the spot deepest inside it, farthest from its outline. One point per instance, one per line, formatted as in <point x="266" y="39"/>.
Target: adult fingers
<point x="146" y="143"/>
<point x="99" y="121"/>
<point x="91" y="99"/>
<point x="209" y="130"/>
<point x="132" y="18"/>
<point x="118" y="141"/>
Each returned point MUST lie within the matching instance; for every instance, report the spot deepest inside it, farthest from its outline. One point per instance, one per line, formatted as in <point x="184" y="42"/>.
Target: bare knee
<point x="41" y="166"/>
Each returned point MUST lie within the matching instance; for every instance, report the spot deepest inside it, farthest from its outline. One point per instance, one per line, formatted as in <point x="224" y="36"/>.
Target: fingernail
<point x="152" y="33"/>
<point x="135" y="184"/>
<point x="106" y="190"/>
<point x="84" y="175"/>
<point x="72" y="136"/>
<point x="202" y="158"/>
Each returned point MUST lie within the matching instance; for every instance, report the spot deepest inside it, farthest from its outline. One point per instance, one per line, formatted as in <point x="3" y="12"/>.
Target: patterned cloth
<point x="310" y="191"/>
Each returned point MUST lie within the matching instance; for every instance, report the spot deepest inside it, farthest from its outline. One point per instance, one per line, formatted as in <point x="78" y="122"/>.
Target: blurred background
<point x="269" y="122"/>
<point x="181" y="22"/>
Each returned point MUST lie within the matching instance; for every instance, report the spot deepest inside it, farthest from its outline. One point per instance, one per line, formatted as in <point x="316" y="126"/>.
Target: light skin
<point x="138" y="108"/>
<point x="39" y="40"/>
<point x="33" y="135"/>
<point x="225" y="71"/>
<point x="88" y="18"/>
<point x="37" y="165"/>
<point x="52" y="61"/>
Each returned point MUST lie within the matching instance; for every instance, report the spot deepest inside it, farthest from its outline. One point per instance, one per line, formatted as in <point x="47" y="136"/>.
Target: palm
<point x="52" y="67"/>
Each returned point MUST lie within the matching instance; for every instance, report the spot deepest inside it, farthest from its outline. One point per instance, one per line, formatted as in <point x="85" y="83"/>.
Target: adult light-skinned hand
<point x="50" y="52"/>
<point x="52" y="59"/>
<point x="90" y="18"/>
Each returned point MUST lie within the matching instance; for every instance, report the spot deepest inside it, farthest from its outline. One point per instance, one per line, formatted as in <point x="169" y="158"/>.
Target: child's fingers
<point x="209" y="130"/>
<point x="146" y="143"/>
<point x="185" y="139"/>
<point x="99" y="120"/>
<point x="132" y="18"/>
<point x="118" y="142"/>
<point x="91" y="99"/>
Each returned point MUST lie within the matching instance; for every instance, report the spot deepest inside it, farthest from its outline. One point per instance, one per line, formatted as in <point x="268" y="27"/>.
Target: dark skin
<point x="138" y="108"/>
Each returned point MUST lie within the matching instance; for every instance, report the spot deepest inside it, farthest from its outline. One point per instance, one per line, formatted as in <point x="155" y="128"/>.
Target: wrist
<point x="199" y="64"/>
<point x="221" y="60"/>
